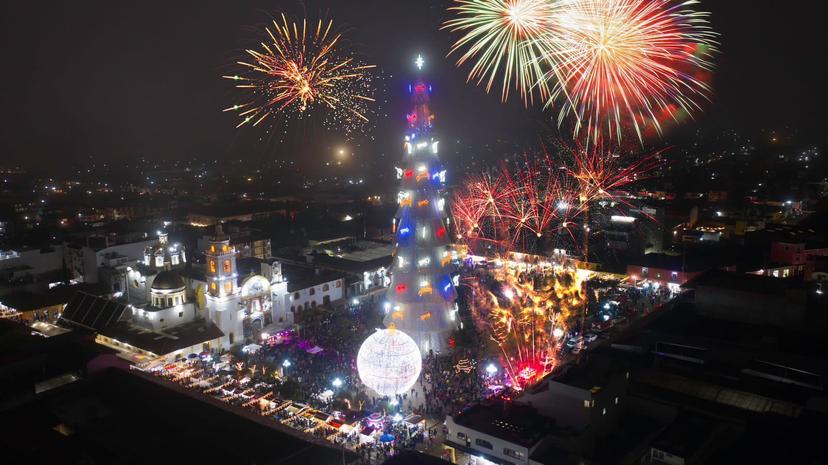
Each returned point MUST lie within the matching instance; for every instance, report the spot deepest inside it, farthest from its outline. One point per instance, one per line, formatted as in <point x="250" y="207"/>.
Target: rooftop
<point x="58" y="295"/>
<point x="163" y="342"/>
<point x="597" y="371"/>
<point x="685" y="435"/>
<point x="117" y="417"/>
<point x="518" y="424"/>
<point x="744" y="282"/>
<point x="299" y="277"/>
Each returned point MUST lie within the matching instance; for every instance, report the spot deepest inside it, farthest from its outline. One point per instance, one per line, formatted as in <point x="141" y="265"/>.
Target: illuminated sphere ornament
<point x="389" y="362"/>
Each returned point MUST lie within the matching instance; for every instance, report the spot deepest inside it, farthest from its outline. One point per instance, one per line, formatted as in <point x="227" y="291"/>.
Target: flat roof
<point x="117" y="417"/>
<point x="518" y="424"/>
<point x="685" y="435"/>
<point x="744" y="282"/>
<point x="166" y="341"/>
<point x="27" y="301"/>
<point x="299" y="277"/>
<point x="597" y="370"/>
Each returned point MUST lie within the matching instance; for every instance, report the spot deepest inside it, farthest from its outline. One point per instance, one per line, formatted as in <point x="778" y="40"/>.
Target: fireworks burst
<point x="519" y="206"/>
<point x="503" y="36"/>
<point x="300" y="72"/>
<point x="611" y="65"/>
<point x="527" y="309"/>
<point x="629" y="63"/>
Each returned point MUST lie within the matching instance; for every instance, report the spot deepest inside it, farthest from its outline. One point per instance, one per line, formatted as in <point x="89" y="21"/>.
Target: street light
<point x="491" y="369"/>
<point x="337" y="383"/>
<point x="286" y="363"/>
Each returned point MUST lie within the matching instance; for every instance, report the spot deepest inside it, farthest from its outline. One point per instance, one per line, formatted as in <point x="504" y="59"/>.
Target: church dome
<point x="167" y="281"/>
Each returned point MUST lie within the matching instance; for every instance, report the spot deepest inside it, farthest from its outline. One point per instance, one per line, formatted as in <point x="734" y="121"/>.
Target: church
<point x="175" y="310"/>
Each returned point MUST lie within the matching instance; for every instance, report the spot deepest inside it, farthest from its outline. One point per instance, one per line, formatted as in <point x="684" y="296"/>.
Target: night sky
<point x="116" y="80"/>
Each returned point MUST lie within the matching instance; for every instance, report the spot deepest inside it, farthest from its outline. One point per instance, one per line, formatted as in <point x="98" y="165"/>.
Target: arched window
<point x="325" y="287"/>
<point x="227" y="266"/>
<point x="212" y="266"/>
<point x="295" y="296"/>
<point x="292" y="309"/>
<point x="313" y="304"/>
<point x="312" y="291"/>
<point x="228" y="287"/>
<point x="213" y="285"/>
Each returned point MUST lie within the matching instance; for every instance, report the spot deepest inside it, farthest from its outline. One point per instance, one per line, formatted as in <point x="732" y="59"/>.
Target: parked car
<point x="602" y="325"/>
<point x="575" y="341"/>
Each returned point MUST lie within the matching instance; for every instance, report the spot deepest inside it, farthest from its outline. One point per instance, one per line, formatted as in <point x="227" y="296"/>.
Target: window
<point x="213" y="285"/>
<point x="338" y="284"/>
<point x="325" y="287"/>
<point x="513" y="453"/>
<point x="603" y="411"/>
<point x="212" y="266"/>
<point x="313" y="304"/>
<point x="227" y="266"/>
<point x="224" y="248"/>
<point x="228" y="287"/>
<point x="295" y="296"/>
<point x="292" y="309"/>
<point x="213" y="248"/>
<point x="180" y="314"/>
<point x="616" y="401"/>
<point x="230" y="338"/>
<point x="312" y="291"/>
<point x="326" y="299"/>
<point x="461" y="435"/>
<point x="483" y="443"/>
<point x="169" y="302"/>
<point x="586" y="403"/>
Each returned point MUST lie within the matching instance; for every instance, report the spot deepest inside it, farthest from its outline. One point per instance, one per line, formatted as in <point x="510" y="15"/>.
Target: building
<point x="87" y="421"/>
<point x="211" y="215"/>
<point x="588" y="396"/>
<point x="44" y="305"/>
<point x="307" y="288"/>
<point x="674" y="270"/>
<point x="30" y="265"/>
<point x="750" y="298"/>
<point x="248" y="242"/>
<point x="84" y="261"/>
<point x="498" y="432"/>
<point x="366" y="264"/>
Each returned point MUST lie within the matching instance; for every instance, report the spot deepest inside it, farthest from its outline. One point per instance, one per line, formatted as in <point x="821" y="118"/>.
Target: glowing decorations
<point x="465" y="366"/>
<point x="389" y="362"/>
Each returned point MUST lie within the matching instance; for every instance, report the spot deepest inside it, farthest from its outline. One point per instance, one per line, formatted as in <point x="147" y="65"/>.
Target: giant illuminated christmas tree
<point x="421" y="297"/>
